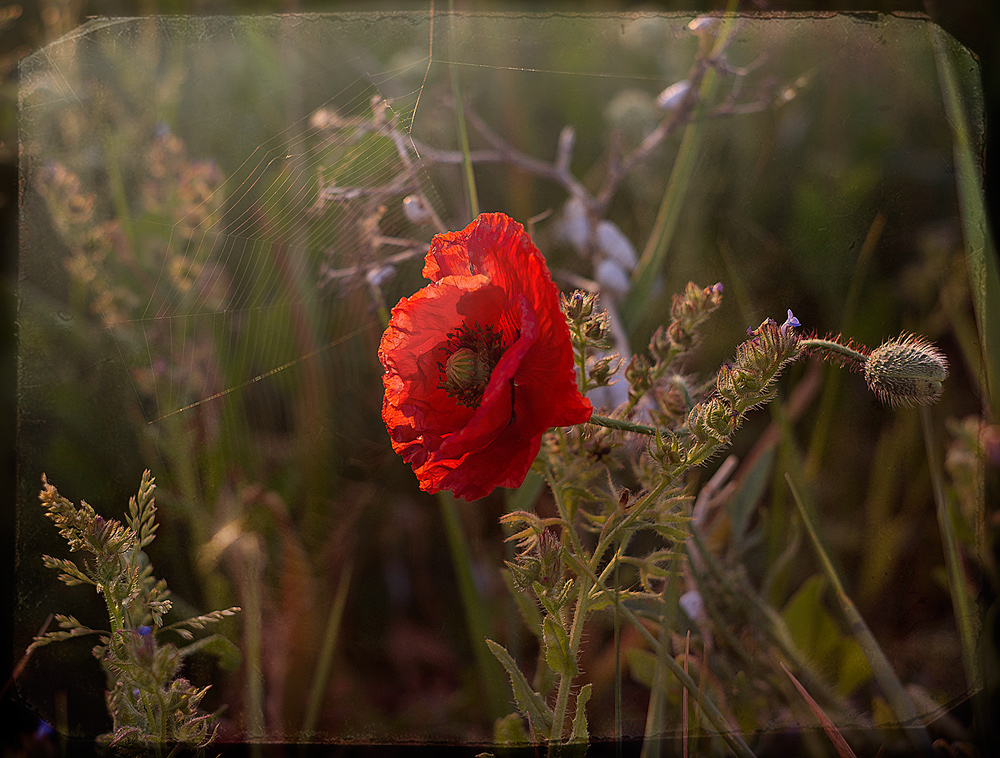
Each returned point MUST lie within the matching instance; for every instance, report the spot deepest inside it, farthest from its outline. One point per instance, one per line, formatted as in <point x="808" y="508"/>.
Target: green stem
<point x="566" y="680"/>
<point x="622" y="425"/>
<point x="322" y="674"/>
<point x="580" y="613"/>
<point x="630" y="518"/>
<point x="834" y="347"/>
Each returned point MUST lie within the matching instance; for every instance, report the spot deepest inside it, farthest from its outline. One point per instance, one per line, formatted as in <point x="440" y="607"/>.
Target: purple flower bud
<point x="717" y="288"/>
<point x="144" y="630"/>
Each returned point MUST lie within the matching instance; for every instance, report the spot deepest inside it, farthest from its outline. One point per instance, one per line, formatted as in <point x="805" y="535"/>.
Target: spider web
<point x="222" y="258"/>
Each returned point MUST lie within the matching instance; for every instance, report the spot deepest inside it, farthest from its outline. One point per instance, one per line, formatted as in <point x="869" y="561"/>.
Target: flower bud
<point x="637" y="374"/>
<point x="906" y="371"/>
<point x="673" y="95"/>
<point x="578" y="306"/>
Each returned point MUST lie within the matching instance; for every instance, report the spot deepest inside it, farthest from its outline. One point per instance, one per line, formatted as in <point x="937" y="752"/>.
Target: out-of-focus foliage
<point x="216" y="213"/>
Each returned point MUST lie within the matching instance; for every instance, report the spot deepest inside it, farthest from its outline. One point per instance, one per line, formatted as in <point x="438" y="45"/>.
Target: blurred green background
<point x="186" y="259"/>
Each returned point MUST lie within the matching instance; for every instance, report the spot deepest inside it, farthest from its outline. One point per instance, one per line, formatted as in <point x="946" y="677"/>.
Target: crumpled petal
<point x="488" y="274"/>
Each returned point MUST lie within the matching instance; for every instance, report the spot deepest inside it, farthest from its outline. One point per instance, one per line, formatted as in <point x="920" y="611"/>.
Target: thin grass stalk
<point x="885" y="675"/>
<point x="652" y="745"/>
<point x="323" y="665"/>
<point x="654" y="253"/>
<point x="774" y="625"/>
<point x="684" y="699"/>
<point x="833" y="379"/>
<point x="984" y="276"/>
<point x="966" y="614"/>
<point x="477" y="619"/>
<point x="254" y="641"/>
<point x="463" y="135"/>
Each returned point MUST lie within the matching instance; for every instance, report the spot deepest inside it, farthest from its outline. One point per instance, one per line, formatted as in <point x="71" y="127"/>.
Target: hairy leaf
<point x="529" y="702"/>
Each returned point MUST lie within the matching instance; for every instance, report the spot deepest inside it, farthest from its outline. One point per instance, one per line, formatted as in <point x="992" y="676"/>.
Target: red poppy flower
<point x="478" y="364"/>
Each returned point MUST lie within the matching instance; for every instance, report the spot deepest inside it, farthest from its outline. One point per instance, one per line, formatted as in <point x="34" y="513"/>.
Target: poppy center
<point x="471" y="355"/>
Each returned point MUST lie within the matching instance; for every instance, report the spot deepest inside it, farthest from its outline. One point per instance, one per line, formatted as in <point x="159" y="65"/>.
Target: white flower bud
<point x="615" y="245"/>
<point x="693" y="605"/>
<point x="376" y="277"/>
<point x="672" y="96"/>
<point x="612" y="277"/>
<point x="574" y="227"/>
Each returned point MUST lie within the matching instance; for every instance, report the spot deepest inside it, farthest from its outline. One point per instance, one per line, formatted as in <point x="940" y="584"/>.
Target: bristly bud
<point x="601" y="370"/>
<point x="906" y="371"/>
<point x="712" y="419"/>
<point x="637" y="374"/>
<point x="578" y="306"/>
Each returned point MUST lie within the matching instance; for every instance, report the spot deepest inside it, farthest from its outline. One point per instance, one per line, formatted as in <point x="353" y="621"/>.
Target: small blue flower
<point x="144" y="630"/>
<point x="44" y="730"/>
<point x="790" y="322"/>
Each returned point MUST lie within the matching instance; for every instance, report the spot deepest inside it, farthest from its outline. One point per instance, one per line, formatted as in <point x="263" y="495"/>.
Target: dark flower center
<point x="471" y="355"/>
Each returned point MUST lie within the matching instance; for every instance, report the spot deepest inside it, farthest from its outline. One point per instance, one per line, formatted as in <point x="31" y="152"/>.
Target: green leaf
<point x="641" y="665"/>
<point x="509" y="730"/>
<point x="529" y="702"/>
<point x="744" y="501"/>
<point x="580" y="731"/>
<point x="557" y="652"/>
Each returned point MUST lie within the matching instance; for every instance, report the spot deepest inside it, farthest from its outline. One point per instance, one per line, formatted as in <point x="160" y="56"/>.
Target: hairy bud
<point x="906" y="371"/>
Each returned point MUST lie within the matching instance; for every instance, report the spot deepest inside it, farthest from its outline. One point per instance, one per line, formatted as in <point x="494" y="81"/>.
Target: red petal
<point x="490" y="273"/>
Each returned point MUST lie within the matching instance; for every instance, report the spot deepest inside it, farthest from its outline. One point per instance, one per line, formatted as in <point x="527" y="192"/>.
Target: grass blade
<point x="476" y="617"/>
<point x="966" y="615"/>
<point x="892" y="688"/>
<point x="322" y="674"/>
<point x="984" y="277"/>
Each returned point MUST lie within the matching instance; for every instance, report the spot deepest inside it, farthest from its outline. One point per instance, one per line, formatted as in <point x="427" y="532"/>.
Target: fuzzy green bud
<point x="637" y="374"/>
<point x="906" y="371"/>
<point x="603" y="369"/>
<point x="596" y="330"/>
<point x="666" y="450"/>
<point x="713" y="419"/>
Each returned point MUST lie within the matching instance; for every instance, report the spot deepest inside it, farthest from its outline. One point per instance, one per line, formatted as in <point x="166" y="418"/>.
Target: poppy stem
<point x="833" y="347"/>
<point x="622" y="425"/>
